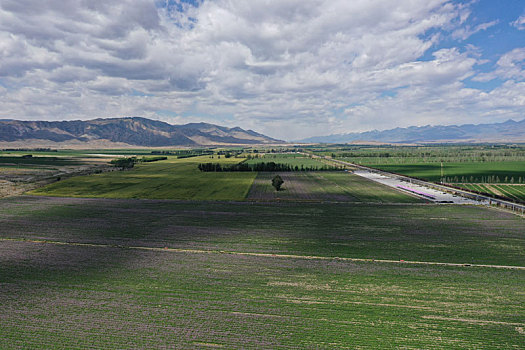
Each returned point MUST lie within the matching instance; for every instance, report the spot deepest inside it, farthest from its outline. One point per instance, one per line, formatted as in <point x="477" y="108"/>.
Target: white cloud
<point x="510" y="65"/>
<point x="519" y="23"/>
<point x="465" y="32"/>
<point x="289" y="68"/>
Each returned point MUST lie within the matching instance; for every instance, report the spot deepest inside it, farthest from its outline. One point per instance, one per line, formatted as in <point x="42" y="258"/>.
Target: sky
<point x="290" y="69"/>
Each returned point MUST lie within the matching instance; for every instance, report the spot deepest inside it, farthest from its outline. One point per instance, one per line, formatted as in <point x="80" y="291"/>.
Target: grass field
<point x="169" y="179"/>
<point x="209" y="293"/>
<point x="424" y="232"/>
<point x="491" y="169"/>
<point x="325" y="186"/>
<point x="480" y="177"/>
<point x="461" y="163"/>
<point x="332" y="261"/>
<point x="290" y="159"/>
<point x="367" y="154"/>
<point x="456" y="171"/>
<point x="515" y="192"/>
<point x="180" y="179"/>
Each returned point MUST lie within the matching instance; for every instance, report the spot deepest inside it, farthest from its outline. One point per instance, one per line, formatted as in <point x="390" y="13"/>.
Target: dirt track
<point x="269" y="255"/>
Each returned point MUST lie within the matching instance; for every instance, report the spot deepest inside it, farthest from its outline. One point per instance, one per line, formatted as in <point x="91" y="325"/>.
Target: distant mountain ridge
<point x="509" y="131"/>
<point x="133" y="131"/>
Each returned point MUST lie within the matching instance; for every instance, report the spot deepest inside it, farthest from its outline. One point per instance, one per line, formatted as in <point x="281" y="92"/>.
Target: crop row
<point x="513" y="192"/>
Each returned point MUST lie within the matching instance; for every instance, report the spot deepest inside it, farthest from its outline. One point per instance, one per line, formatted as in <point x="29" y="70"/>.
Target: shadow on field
<point x="30" y="264"/>
<point x="457" y="234"/>
<point x="26" y="263"/>
<point x="72" y="296"/>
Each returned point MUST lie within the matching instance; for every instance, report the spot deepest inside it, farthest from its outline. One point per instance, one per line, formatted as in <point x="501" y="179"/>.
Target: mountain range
<point x="123" y="132"/>
<point x="509" y="131"/>
<point x="135" y="131"/>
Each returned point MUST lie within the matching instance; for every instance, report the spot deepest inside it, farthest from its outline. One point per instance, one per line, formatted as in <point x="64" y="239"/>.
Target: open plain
<point x="163" y="255"/>
<point x="262" y="174"/>
<point x="116" y="273"/>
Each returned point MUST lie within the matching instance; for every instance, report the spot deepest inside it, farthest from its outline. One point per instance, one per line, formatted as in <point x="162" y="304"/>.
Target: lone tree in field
<point x="277" y="182"/>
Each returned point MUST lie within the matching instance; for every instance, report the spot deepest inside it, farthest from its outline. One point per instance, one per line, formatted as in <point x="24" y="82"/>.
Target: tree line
<point x="263" y="166"/>
<point x="490" y="179"/>
<point x="128" y="163"/>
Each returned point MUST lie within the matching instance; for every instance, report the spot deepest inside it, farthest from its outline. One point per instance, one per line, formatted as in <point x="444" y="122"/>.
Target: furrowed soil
<point x="107" y="294"/>
<point x="325" y="186"/>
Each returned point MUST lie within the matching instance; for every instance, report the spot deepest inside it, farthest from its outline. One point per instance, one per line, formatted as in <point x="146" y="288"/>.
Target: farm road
<point x="395" y="182"/>
<point x="268" y="255"/>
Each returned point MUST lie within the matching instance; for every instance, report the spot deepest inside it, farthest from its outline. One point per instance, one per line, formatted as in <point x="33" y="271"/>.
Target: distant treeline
<point x="29" y="159"/>
<point x="29" y="150"/>
<point x="128" y="163"/>
<point x="124" y="163"/>
<point x="428" y="154"/>
<point x="153" y="159"/>
<point x="269" y="166"/>
<point x="185" y="153"/>
<point x="489" y="179"/>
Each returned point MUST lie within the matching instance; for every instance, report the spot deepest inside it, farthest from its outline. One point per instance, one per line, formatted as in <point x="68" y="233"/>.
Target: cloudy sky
<point x="286" y="68"/>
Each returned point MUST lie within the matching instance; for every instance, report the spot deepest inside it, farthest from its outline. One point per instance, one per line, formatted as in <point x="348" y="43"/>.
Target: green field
<point x="326" y="186"/>
<point x="461" y="163"/>
<point x="168" y="179"/>
<point x="290" y="159"/>
<point x="516" y="192"/>
<point x="54" y="161"/>
<point x="180" y="179"/>
<point x="497" y="178"/>
<point x="366" y="154"/>
<point x="425" y="232"/>
<point x="331" y="261"/>
<point x="491" y="169"/>
<point x="460" y="172"/>
<point x="98" y="282"/>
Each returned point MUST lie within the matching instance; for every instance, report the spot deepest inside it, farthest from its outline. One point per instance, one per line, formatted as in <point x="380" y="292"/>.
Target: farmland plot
<point x="297" y="186"/>
<point x="83" y="297"/>
<point x="473" y="172"/>
<point x="289" y="159"/>
<point x="115" y="292"/>
<point x="167" y="179"/>
<point x="456" y="234"/>
<point x="19" y="174"/>
<point x="325" y="186"/>
<point x="513" y="192"/>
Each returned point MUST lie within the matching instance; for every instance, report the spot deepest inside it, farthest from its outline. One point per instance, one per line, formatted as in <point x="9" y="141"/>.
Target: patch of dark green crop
<point x="57" y="161"/>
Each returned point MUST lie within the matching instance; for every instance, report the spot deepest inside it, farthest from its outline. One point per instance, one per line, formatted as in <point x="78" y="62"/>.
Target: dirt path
<point x="494" y="190"/>
<point x="268" y="255"/>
